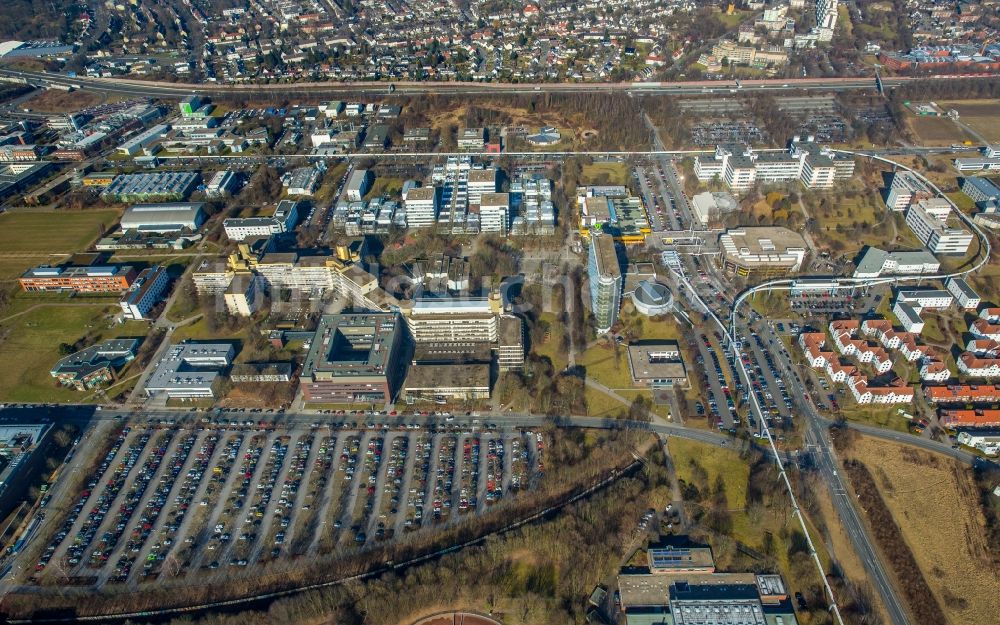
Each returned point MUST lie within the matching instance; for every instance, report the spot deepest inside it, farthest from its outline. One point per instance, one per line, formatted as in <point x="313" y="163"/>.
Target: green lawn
<point x="601" y="405"/>
<point x="552" y="348"/>
<point x="52" y="231"/>
<point x="32" y="342"/>
<point x="602" y="366"/>
<point x="604" y="173"/>
<point x="716" y="461"/>
<point x="886" y="417"/>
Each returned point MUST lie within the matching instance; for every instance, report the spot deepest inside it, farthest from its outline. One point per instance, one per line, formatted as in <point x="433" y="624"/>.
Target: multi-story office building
<point x="285" y="215"/>
<point x="453" y="320"/>
<point x="876" y="262"/>
<point x="937" y="228"/>
<point x="355" y="358"/>
<point x="88" y="279"/>
<point x="358" y="184"/>
<point x="96" y="365"/>
<point x="741" y="167"/>
<point x="510" y="343"/>
<point x="145" y="293"/>
<point x="604" y="271"/>
<point x="980" y="189"/>
<point x="532" y="210"/>
<point x="422" y="207"/>
<point x="964" y="294"/>
<point x="494" y="213"/>
<point x="481" y="181"/>
<point x="242" y="297"/>
<point x="905" y="189"/>
<point x="471" y="139"/>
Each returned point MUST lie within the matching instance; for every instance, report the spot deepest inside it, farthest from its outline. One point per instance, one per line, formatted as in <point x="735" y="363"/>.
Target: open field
<point x="934" y="501"/>
<point x="32" y="340"/>
<point x="602" y="365"/>
<point x="980" y="115"/>
<point x="52" y="231"/>
<point x="56" y="101"/>
<point x="937" y="130"/>
<point x="604" y="173"/>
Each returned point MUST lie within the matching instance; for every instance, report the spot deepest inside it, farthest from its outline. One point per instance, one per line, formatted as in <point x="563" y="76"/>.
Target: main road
<point x="283" y="90"/>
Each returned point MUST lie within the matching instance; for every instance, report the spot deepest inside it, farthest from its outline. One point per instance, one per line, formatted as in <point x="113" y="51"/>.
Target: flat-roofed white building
<point x="494" y="213"/>
<point x="421" y="207"/>
<point x="933" y="223"/>
<point x="145" y="293"/>
<point x="190" y="370"/>
<point x="965" y="296"/>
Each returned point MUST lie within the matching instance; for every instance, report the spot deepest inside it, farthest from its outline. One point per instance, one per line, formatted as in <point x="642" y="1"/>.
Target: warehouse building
<point x="164" y="217"/>
<point x="167" y="186"/>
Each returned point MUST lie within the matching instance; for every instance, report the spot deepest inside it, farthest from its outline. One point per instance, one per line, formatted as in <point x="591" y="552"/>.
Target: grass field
<point x="32" y="342"/>
<point x="56" y="101"/>
<point x="937" y="130"/>
<point x="52" y="231"/>
<point x="935" y="503"/>
<point x="880" y="416"/>
<point x="603" y="367"/>
<point x="604" y="173"/>
<point x="980" y="115"/>
<point x="552" y="348"/>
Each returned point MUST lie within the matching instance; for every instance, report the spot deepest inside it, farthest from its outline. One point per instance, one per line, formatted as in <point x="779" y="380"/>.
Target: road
<point x="283" y="90"/>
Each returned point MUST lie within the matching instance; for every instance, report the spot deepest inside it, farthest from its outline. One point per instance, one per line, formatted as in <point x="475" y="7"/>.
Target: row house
<point x="962" y="394"/>
<point x="974" y="366"/>
<point x="983" y="329"/>
<point x="905" y="342"/>
<point x="843" y="337"/>
<point x="896" y="392"/>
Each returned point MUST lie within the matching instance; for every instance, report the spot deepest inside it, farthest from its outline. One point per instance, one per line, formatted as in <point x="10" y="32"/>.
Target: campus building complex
<point x="741" y="167"/>
<point x="355" y="358"/>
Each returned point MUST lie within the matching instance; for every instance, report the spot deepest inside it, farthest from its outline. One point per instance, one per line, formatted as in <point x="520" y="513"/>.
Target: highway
<point x="284" y="90"/>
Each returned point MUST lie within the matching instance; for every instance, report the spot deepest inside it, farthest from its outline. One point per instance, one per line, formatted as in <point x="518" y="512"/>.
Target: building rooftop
<point x="606" y="255"/>
<point x="113" y="352"/>
<point x="762" y="241"/>
<point x="655" y="361"/>
<point x="351" y="344"/>
<point x="190" y="366"/>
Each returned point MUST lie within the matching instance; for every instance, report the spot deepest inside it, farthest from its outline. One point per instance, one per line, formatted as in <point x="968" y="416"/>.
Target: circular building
<point x="652" y="298"/>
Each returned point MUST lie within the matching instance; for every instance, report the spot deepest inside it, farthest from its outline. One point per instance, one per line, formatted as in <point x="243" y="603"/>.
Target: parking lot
<point x="169" y="501"/>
